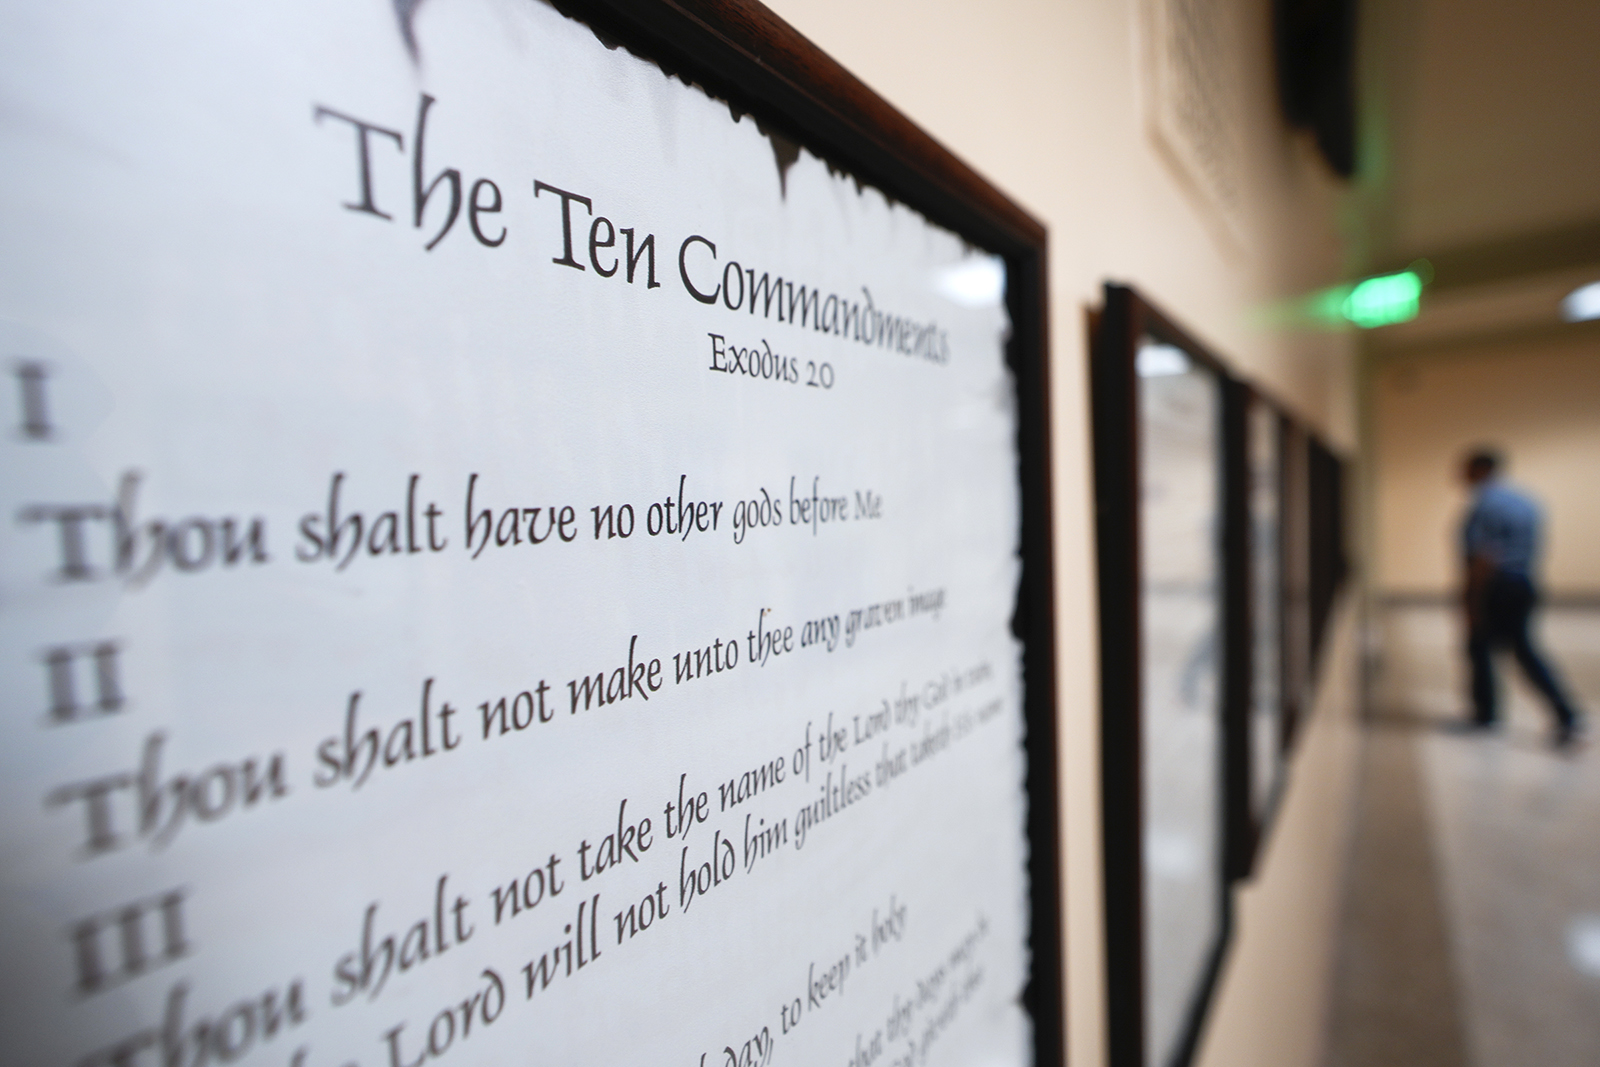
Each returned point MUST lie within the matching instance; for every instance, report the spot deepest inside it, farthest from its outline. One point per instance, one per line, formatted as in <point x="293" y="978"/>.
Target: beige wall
<point x="1539" y="400"/>
<point x="1045" y="99"/>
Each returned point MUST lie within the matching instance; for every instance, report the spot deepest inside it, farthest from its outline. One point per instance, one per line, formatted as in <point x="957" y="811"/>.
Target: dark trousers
<point x="1508" y="601"/>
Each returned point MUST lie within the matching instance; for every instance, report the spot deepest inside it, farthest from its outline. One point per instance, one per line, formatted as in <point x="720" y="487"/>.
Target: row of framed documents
<point x="1221" y="552"/>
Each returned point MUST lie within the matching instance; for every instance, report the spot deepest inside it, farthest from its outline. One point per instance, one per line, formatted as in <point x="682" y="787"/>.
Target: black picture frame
<point x="1329" y="558"/>
<point x="742" y="52"/>
<point x="1269" y="665"/>
<point x="1125" y="319"/>
<point x="1260" y="711"/>
<point x="1295" y="579"/>
<point x="1312" y="562"/>
<point x="1316" y="562"/>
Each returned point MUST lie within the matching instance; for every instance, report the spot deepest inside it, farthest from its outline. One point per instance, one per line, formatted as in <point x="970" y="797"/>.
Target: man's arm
<point x="1478" y="570"/>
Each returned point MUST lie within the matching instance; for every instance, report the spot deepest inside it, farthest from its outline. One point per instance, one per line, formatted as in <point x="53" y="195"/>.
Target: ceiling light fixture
<point x="1582" y="304"/>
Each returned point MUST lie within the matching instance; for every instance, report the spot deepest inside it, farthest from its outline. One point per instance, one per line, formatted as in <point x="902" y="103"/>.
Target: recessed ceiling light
<point x="1582" y="303"/>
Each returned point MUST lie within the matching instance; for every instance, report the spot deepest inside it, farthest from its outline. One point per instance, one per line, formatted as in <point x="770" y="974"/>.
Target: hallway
<point x="1481" y="947"/>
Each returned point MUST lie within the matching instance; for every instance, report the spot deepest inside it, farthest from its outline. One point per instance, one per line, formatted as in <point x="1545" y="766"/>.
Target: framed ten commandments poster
<point x="525" y="541"/>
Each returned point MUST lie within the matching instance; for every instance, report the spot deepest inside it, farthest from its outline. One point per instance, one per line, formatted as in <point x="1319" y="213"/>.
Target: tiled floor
<point x="1472" y="926"/>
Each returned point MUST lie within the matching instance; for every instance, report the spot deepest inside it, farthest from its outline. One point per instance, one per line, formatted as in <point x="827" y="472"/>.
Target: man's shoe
<point x="1472" y="726"/>
<point x="1569" y="735"/>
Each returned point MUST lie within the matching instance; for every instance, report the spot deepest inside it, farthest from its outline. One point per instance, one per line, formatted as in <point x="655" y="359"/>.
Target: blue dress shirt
<point x="1503" y="527"/>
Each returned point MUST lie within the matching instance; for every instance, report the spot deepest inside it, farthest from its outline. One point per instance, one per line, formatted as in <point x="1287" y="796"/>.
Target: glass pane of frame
<point x="1266" y="593"/>
<point x="1179" y="402"/>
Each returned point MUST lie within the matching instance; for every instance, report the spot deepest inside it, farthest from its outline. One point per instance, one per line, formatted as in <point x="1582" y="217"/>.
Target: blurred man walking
<point x="1500" y="544"/>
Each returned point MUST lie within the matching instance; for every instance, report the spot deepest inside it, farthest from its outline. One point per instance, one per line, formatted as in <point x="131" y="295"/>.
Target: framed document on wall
<point x="1265" y="432"/>
<point x="1295" y="574"/>
<point x="1220" y="547"/>
<point x="528" y="538"/>
<point x="1328" y="565"/>
<point x="1257" y="710"/>
<point x="1159" y="403"/>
